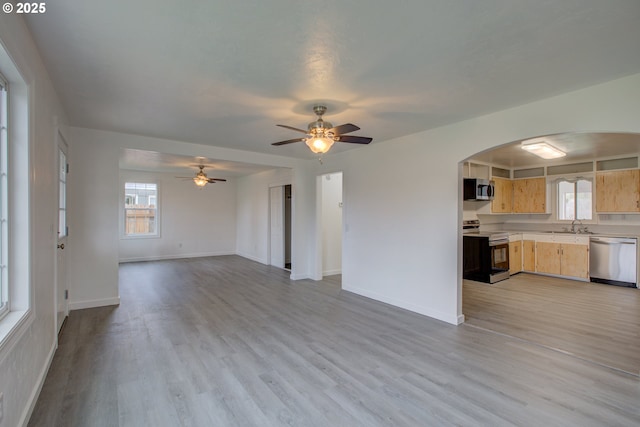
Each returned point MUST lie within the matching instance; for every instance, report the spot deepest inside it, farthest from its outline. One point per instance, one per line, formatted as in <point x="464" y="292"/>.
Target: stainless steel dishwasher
<point x="613" y="260"/>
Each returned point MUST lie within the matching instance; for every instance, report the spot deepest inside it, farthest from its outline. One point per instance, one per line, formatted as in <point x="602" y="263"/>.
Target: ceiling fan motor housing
<point x="320" y="128"/>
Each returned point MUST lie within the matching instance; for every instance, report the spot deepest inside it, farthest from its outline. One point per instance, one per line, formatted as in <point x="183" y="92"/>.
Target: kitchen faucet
<point x="581" y="228"/>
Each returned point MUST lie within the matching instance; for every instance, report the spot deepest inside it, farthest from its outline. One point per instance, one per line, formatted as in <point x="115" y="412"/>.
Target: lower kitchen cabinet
<point x="564" y="259"/>
<point x="515" y="257"/>
<point x="575" y="260"/>
<point x="529" y="255"/>
<point x="548" y="257"/>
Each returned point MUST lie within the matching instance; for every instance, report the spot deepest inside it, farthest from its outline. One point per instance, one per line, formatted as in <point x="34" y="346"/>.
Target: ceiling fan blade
<point x="345" y="128"/>
<point x="292" y="128"/>
<point x="183" y="177"/>
<point x="288" y="141"/>
<point x="355" y="139"/>
<point x="212" y="180"/>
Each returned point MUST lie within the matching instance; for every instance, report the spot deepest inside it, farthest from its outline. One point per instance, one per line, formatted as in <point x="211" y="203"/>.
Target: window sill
<point x="155" y="236"/>
<point x="12" y="327"/>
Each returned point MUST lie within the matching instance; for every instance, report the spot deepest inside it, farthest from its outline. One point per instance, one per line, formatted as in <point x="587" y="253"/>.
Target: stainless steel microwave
<point x="478" y="189"/>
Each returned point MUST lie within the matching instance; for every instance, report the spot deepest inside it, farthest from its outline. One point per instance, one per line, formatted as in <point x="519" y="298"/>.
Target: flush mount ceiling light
<point x="541" y="148"/>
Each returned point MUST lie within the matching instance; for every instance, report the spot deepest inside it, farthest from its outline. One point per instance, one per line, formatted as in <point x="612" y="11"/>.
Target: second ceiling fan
<point x="321" y="135"/>
<point x="201" y="179"/>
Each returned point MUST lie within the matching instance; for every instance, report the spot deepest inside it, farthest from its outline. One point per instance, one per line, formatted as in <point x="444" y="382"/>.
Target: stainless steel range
<point x="485" y="254"/>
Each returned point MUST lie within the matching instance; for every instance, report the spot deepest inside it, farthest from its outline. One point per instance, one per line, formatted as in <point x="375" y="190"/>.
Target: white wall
<point x="92" y="206"/>
<point x="402" y="238"/>
<point x="331" y="224"/>
<point x="252" y="232"/>
<point x="25" y="360"/>
<point x="194" y="221"/>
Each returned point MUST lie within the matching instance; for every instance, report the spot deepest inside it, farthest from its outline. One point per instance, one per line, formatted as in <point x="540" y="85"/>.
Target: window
<point x="62" y="202"/>
<point x="15" y="243"/>
<point x="140" y="209"/>
<point x="575" y="199"/>
<point x="4" y="202"/>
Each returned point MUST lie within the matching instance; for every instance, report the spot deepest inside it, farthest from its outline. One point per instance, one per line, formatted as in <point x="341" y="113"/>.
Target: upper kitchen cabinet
<point x="618" y="191"/>
<point x="530" y="195"/>
<point x="503" y="196"/>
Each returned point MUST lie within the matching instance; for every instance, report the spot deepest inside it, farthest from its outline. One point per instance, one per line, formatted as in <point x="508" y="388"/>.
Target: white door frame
<point x="276" y="246"/>
<point x="269" y="187"/>
<point x="319" y="264"/>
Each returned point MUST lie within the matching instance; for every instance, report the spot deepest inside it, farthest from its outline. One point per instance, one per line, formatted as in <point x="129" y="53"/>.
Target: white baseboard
<point x="332" y="272"/>
<point x="252" y="258"/>
<point x="295" y="276"/>
<point x="103" y="302"/>
<point x="174" y="256"/>
<point x="425" y="311"/>
<point x="35" y="393"/>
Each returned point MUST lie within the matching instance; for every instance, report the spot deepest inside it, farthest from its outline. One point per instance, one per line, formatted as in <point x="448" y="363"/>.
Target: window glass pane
<point x="4" y="201"/>
<point x="566" y="200"/>
<point x="62" y="190"/>
<point x="584" y="199"/>
<point x="575" y="200"/>
<point x="140" y="209"/>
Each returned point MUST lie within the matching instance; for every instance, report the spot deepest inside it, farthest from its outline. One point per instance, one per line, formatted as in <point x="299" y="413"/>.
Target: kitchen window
<point x="575" y="199"/>
<point x="140" y="209"/>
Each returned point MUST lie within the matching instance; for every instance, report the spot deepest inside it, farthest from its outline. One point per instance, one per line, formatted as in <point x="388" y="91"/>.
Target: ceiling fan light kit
<point x="200" y="181"/>
<point x="321" y="135"/>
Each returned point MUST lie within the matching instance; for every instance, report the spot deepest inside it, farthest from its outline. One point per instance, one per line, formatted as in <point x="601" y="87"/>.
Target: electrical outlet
<point x="1" y="406"/>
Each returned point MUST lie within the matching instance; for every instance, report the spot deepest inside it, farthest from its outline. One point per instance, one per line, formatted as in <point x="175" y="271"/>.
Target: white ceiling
<point x="578" y="146"/>
<point x="151" y="161"/>
<point x="226" y="72"/>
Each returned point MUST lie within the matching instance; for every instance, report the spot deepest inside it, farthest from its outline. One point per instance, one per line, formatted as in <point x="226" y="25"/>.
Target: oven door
<point x="499" y="256"/>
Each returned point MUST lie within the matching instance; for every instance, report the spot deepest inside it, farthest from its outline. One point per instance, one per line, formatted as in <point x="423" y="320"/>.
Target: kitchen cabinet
<point x="574" y="260"/>
<point x="564" y="259"/>
<point x="548" y="257"/>
<point x="530" y="195"/>
<point x="529" y="255"/>
<point x="618" y="191"/>
<point x="503" y="197"/>
<point x="515" y="257"/>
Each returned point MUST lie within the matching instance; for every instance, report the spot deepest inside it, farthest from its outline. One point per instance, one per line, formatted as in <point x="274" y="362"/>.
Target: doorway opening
<point x="287" y="227"/>
<point x="547" y="297"/>
<point x="330" y="219"/>
<point x="280" y="220"/>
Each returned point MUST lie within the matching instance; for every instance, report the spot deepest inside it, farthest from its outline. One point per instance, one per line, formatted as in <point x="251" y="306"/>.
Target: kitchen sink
<point x="568" y="232"/>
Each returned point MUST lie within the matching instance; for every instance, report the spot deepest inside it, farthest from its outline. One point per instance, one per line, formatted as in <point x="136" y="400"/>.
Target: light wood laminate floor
<point x="224" y="341"/>
<point x="596" y="322"/>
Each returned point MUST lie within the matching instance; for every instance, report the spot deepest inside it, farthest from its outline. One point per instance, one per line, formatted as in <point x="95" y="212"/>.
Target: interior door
<point x="62" y="307"/>
<point x="276" y="206"/>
